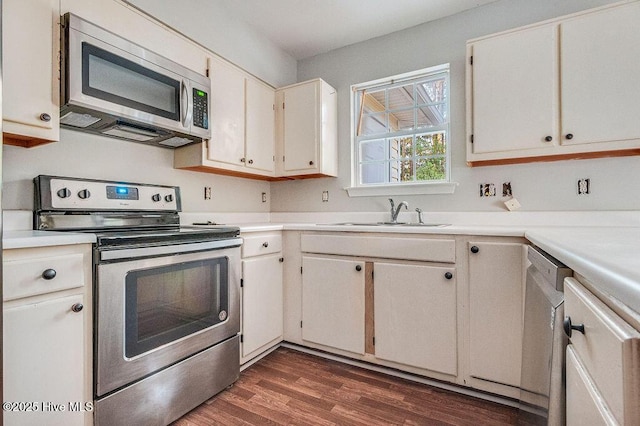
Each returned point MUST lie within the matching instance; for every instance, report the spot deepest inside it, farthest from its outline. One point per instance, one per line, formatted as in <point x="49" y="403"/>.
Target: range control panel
<point x="58" y="193"/>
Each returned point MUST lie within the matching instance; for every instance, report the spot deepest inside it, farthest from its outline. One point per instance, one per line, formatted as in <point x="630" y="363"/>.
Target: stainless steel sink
<point x="432" y="225"/>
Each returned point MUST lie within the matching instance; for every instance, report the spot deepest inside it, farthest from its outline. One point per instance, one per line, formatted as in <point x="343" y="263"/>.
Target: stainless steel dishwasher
<point x="542" y="384"/>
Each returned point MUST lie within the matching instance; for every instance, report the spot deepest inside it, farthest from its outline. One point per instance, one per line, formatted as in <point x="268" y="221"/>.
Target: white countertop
<point x="27" y="239"/>
<point x="606" y="256"/>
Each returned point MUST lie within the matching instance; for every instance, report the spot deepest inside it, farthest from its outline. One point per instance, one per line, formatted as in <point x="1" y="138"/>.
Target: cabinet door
<point x="260" y="126"/>
<point x="227" y="111"/>
<point x="599" y="69"/>
<point x="44" y="361"/>
<point x="261" y="302"/>
<point x="585" y="405"/>
<point x="415" y="316"/>
<point x="300" y="128"/>
<point x="30" y="41"/>
<point x="495" y="311"/>
<point x="514" y="91"/>
<point x="333" y="302"/>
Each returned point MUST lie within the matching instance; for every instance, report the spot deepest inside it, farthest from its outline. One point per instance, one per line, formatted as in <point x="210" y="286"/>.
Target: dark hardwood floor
<point x="289" y="387"/>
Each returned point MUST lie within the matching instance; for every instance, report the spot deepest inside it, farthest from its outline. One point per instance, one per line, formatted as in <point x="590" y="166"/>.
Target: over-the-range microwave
<point x="114" y="87"/>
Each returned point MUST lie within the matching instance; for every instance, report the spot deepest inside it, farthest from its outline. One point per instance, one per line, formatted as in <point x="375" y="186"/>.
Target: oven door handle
<point x="132" y="253"/>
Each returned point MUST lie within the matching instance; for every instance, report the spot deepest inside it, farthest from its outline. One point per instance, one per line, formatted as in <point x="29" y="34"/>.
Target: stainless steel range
<point x="166" y="309"/>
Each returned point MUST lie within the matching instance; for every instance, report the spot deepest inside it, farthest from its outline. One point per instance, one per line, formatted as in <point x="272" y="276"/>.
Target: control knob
<point x="84" y="194"/>
<point x="64" y="193"/>
<point x="156" y="197"/>
<point x="168" y="198"/>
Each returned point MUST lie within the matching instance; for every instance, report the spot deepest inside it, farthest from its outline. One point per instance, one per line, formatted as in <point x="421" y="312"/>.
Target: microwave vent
<point x="77" y="119"/>
<point x="175" y="142"/>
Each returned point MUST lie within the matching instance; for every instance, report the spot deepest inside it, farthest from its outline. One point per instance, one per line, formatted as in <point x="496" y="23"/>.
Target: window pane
<point x="373" y="173"/>
<point x="430" y="144"/>
<point x="400" y="97"/>
<point x="373" y="150"/>
<point x="431" y="169"/>
<point x="406" y="171"/>
<point x="401" y="147"/>
<point x="374" y="101"/>
<point x="432" y="91"/>
<point x="433" y="115"/>
<point x="374" y="124"/>
<point x="401" y="120"/>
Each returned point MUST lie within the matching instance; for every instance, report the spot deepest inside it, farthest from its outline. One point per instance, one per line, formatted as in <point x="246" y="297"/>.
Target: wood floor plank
<point x="289" y="387"/>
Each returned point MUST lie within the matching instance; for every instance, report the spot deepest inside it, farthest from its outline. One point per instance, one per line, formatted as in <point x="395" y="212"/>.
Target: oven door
<point x="154" y="312"/>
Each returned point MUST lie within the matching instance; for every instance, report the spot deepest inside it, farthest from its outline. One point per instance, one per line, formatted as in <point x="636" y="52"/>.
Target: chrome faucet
<point x="396" y="211"/>
<point x="419" y="211"/>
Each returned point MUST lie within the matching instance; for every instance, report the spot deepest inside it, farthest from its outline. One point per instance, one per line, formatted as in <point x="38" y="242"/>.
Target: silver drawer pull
<point x="265" y="244"/>
<point x="77" y="307"/>
<point x="49" y="274"/>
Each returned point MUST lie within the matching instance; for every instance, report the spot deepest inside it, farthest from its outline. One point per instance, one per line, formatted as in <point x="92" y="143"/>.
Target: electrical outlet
<point x="487" y="190"/>
<point x="207" y="192"/>
<point x="264" y="197"/>
<point x="506" y="189"/>
<point x="325" y="196"/>
<point x="584" y="186"/>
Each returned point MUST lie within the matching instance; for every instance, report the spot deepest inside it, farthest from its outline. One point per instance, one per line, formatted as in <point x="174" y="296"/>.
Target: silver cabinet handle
<point x="49" y="274"/>
<point x="265" y="244"/>
<point x="77" y="307"/>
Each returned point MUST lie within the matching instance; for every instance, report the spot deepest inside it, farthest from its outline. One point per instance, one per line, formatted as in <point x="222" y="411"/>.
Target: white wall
<point x="538" y="186"/>
<point x="96" y="157"/>
<point x="209" y="23"/>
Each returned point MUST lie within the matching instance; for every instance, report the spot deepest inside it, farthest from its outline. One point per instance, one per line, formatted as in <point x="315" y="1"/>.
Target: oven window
<point x="170" y="302"/>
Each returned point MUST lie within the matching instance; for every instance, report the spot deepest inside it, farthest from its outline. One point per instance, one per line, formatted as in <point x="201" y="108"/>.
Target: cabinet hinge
<point x="300" y="324"/>
<point x="283" y="105"/>
<point x="241" y="338"/>
<point x="374" y="341"/>
<point x="301" y="269"/>
<point x="274" y="158"/>
<point x="207" y="73"/>
<point x="471" y="60"/>
<point x="241" y="282"/>
<point x="471" y="137"/>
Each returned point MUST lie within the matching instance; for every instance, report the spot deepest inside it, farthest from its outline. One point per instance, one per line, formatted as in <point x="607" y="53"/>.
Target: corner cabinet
<point x="30" y="72"/>
<point x="47" y="336"/>
<point x="539" y="93"/>
<point x="242" y="127"/>
<point x="306" y="130"/>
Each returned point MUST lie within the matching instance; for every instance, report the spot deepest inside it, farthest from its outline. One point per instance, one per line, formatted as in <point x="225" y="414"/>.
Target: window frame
<point x="408" y="187"/>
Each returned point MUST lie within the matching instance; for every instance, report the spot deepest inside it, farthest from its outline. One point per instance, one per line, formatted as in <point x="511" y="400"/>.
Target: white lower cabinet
<point x="603" y="361"/>
<point x="495" y="312"/>
<point x="262" y="294"/>
<point x="415" y="315"/>
<point x="333" y="302"/>
<point x="47" y="360"/>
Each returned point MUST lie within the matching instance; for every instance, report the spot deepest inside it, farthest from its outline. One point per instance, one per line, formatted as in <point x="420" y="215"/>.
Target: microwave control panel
<point x="200" y="109"/>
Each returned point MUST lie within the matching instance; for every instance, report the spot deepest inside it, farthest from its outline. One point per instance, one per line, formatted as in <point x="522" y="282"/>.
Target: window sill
<point x="414" y="189"/>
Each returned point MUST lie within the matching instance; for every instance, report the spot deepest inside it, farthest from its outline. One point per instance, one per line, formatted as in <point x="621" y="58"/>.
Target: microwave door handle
<point x="184" y="104"/>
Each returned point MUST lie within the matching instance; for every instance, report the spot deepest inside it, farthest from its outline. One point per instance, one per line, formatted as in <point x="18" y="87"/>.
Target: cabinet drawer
<point x="584" y="402"/>
<point x="608" y="349"/>
<point x="22" y="278"/>
<point x="406" y="248"/>
<point x="259" y="244"/>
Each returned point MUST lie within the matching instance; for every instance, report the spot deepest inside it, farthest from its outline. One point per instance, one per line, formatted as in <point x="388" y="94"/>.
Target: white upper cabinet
<point x="600" y="76"/>
<point x="242" y="127"/>
<point x="566" y="88"/>
<point x="227" y="115"/>
<point x="31" y="89"/>
<point x="507" y="114"/>
<point x="260" y="126"/>
<point x="307" y="129"/>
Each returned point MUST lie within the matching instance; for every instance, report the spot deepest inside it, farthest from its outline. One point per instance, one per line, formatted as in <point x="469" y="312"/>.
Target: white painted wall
<point x="209" y="23"/>
<point x="538" y="186"/>
<point x="96" y="157"/>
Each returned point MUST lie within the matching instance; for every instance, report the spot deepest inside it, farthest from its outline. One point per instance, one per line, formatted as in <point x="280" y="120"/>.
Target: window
<point x="401" y="129"/>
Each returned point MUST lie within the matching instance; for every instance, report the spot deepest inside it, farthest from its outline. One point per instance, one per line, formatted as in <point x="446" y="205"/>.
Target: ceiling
<point x="305" y="28"/>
